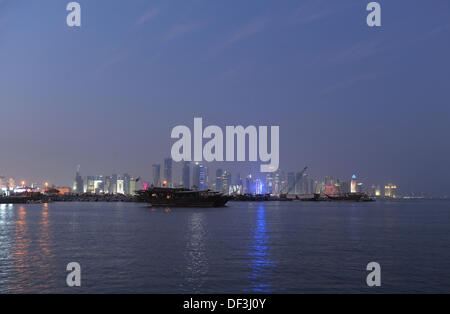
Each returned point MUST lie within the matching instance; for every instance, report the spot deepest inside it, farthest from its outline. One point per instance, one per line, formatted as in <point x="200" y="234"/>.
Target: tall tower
<point x="353" y="184"/>
<point x="219" y="180"/>
<point x="156" y="175"/>
<point x="168" y="172"/>
<point x="186" y="177"/>
<point x="78" y="184"/>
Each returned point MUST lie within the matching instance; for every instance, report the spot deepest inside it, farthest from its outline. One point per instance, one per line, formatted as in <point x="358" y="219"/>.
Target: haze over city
<point x="348" y="98"/>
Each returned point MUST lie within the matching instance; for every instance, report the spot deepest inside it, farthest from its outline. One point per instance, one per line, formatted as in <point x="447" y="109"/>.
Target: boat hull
<point x="166" y="197"/>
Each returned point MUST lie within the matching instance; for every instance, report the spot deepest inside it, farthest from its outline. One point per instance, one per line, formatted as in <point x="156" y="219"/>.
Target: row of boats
<point x="182" y="197"/>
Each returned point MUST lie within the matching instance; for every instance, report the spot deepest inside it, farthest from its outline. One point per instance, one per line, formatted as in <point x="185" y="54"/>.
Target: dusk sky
<point x="348" y="98"/>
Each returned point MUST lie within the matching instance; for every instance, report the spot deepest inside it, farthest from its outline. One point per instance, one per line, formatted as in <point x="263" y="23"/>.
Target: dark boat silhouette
<point x="181" y="197"/>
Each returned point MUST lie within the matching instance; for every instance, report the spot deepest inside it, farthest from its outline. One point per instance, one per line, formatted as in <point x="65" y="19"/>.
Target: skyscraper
<point x="219" y="180"/>
<point x="168" y="172"/>
<point x="226" y="181"/>
<point x="196" y="176"/>
<point x="290" y="182"/>
<point x="390" y="190"/>
<point x="156" y="175"/>
<point x="78" y="184"/>
<point x="298" y="183"/>
<point x="202" y="177"/>
<point x="126" y="183"/>
<point x="248" y="185"/>
<point x="353" y="184"/>
<point x="186" y="175"/>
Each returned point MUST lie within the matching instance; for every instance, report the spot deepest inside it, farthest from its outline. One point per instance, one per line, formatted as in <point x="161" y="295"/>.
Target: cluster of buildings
<point x="99" y="184"/>
<point x="197" y="176"/>
<point x="8" y="186"/>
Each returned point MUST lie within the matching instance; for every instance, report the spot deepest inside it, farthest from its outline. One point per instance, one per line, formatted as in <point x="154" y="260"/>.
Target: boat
<point x="352" y="197"/>
<point x="182" y="197"/>
<point x="315" y="198"/>
<point x="23" y="198"/>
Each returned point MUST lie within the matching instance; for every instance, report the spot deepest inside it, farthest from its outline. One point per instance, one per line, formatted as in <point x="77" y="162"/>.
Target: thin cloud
<point x="360" y="50"/>
<point x="147" y="16"/>
<point x="344" y="84"/>
<point x="248" y="30"/>
<point x="181" y="30"/>
<point x="308" y="13"/>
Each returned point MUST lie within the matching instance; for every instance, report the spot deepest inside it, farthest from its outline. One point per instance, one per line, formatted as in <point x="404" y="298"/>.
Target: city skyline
<point x="198" y="176"/>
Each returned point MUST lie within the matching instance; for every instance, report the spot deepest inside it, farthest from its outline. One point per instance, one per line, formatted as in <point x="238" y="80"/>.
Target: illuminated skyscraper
<point x="226" y="181"/>
<point x="258" y="187"/>
<point x="378" y="191"/>
<point x="219" y="180"/>
<point x="269" y="183"/>
<point x="126" y="183"/>
<point x="120" y="186"/>
<point x="196" y="176"/>
<point x="133" y="186"/>
<point x="390" y="190"/>
<point x="249" y="189"/>
<point x="78" y="186"/>
<point x="353" y="184"/>
<point x="168" y="172"/>
<point x="203" y="177"/>
<point x="156" y="168"/>
<point x="199" y="176"/>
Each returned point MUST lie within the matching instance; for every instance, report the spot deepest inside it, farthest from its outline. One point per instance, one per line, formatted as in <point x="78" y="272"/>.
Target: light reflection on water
<point x="21" y="250"/>
<point x="260" y="262"/>
<point x="197" y="262"/>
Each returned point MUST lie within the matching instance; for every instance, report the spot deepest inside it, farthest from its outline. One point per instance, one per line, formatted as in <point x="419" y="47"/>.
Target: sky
<point x="348" y="98"/>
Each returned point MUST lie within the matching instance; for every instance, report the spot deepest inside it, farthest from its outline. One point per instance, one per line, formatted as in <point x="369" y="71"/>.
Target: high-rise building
<point x="108" y="185"/>
<point x="126" y="183"/>
<point x="156" y="168"/>
<point x="353" y="184"/>
<point x="114" y="179"/>
<point x="186" y="175"/>
<point x="3" y="185"/>
<point x="279" y="182"/>
<point x="78" y="186"/>
<point x="168" y="172"/>
<point x="196" y="176"/>
<point x="390" y="190"/>
<point x="298" y="183"/>
<point x="199" y="176"/>
<point x="219" y="180"/>
<point x="133" y="186"/>
<point x="11" y="183"/>
<point x="202" y="177"/>
<point x="120" y="186"/>
<point x="378" y="191"/>
<point x="269" y="183"/>
<point x="226" y="181"/>
<point x="290" y="182"/>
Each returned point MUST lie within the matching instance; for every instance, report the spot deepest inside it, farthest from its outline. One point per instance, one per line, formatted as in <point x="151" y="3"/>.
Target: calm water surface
<point x="278" y="247"/>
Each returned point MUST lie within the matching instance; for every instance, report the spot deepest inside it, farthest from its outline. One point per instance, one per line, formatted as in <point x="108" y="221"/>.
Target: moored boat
<point x="181" y="197"/>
